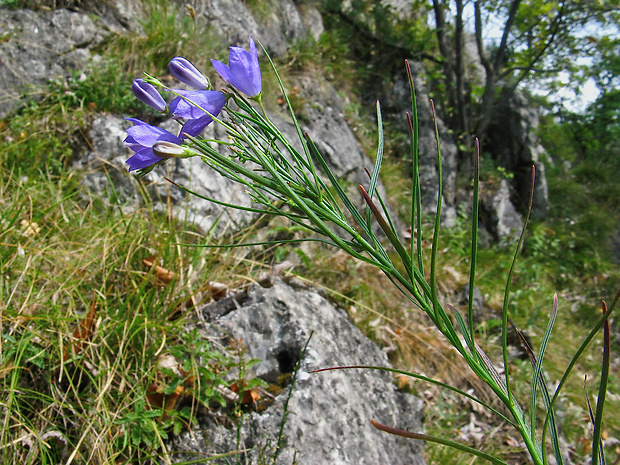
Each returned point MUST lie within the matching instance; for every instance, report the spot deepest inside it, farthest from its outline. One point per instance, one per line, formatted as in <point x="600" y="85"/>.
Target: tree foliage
<point x="535" y="40"/>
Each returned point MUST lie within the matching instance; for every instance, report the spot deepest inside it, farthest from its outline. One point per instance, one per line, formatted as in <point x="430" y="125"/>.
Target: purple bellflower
<point x="195" y="118"/>
<point x="140" y="138"/>
<point x="147" y="93"/>
<point x="242" y="71"/>
<point x="182" y="69"/>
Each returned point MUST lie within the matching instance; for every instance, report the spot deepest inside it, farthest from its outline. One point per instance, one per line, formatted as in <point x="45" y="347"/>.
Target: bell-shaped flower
<point x="191" y="107"/>
<point x="140" y="138"/>
<point x="182" y="69"/>
<point x="147" y="93"/>
<point x="243" y="71"/>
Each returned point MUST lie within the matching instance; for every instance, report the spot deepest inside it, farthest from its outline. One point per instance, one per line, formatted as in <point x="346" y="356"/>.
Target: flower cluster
<point x="194" y="109"/>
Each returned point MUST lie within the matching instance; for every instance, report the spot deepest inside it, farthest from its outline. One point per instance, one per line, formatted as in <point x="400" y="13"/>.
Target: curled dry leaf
<point x="248" y="396"/>
<point x="161" y="274"/>
<point x="83" y="333"/>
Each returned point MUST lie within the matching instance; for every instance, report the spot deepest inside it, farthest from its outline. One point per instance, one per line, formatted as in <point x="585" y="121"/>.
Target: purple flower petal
<point x="243" y="70"/>
<point x="193" y="127"/>
<point x="147" y="93"/>
<point x="132" y="144"/>
<point x="140" y="138"/>
<point x="182" y="69"/>
<point x="143" y="159"/>
<point x="135" y="120"/>
<point x="209" y="100"/>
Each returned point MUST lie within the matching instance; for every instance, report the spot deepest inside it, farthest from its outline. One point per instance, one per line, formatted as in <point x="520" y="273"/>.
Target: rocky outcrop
<point x="514" y="145"/>
<point x="48" y="44"/>
<point x="276" y="24"/>
<point x="64" y="40"/>
<point x="105" y="176"/>
<point x="330" y="412"/>
<point x="39" y="46"/>
<point x="500" y="221"/>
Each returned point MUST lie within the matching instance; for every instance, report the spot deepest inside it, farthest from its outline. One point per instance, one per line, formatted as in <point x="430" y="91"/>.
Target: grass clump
<point x="96" y="364"/>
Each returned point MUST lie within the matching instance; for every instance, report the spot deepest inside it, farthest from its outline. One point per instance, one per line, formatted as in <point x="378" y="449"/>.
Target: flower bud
<point x="184" y="71"/>
<point x="147" y="93"/>
<point x="165" y="149"/>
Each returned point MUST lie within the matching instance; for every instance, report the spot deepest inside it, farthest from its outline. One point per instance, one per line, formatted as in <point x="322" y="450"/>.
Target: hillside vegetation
<point x="91" y="291"/>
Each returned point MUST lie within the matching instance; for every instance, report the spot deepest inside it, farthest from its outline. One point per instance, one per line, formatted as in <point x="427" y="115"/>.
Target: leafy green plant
<point x="288" y="184"/>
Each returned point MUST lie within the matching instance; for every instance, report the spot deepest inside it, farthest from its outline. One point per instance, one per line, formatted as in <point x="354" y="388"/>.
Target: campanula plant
<point x="243" y="70"/>
<point x="284" y="181"/>
<point x="193" y="109"/>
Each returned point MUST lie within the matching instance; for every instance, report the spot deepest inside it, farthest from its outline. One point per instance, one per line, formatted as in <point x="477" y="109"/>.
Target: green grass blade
<point x="375" y="172"/>
<point x="254" y="244"/>
<point x="464" y="331"/>
<point x="540" y="381"/>
<point x="416" y="196"/>
<point x="573" y="361"/>
<point x="474" y="237"/>
<point x="435" y="246"/>
<point x="539" y="361"/>
<point x="598" y="455"/>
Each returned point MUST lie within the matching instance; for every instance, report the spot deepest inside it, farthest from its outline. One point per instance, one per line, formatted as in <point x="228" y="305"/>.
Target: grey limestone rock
<point x="330" y="412"/>
<point x="514" y="145"/>
<point x="39" y="46"/>
<point x="276" y="24"/>
<point x="497" y="213"/>
<point x="102" y="165"/>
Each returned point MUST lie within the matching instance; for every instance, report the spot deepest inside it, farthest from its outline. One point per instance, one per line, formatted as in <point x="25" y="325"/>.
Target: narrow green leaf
<point x="474" y="237"/>
<point x="416" y="195"/>
<point x="545" y="394"/>
<point x="598" y="455"/>
<point x="339" y="191"/>
<point x="300" y="133"/>
<point x="375" y="172"/>
<point x="583" y="347"/>
<point x="438" y="440"/>
<point x="492" y="371"/>
<point x="539" y="361"/>
<point x="464" y="331"/>
<point x="437" y="225"/>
